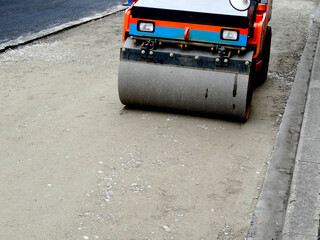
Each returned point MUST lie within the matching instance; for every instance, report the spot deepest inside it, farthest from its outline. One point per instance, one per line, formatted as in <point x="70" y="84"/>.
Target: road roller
<point x="200" y="57"/>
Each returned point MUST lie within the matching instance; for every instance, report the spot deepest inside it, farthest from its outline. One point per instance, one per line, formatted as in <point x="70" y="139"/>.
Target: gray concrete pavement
<point x="302" y="216"/>
<point x="288" y="206"/>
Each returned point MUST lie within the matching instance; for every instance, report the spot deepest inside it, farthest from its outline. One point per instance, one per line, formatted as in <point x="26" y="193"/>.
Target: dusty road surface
<point x="76" y="165"/>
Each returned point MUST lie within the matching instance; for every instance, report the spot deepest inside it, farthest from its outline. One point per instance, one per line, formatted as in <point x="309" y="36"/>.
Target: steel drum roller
<point x="184" y="89"/>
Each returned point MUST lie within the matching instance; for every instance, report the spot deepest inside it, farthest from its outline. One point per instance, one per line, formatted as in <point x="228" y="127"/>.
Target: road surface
<point x="75" y="164"/>
<point x="19" y="18"/>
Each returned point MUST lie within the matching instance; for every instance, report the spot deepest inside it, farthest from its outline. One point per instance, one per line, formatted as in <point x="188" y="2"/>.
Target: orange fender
<point x="126" y="23"/>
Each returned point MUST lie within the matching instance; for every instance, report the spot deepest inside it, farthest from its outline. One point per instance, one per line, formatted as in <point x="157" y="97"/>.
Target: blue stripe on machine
<point x="195" y="35"/>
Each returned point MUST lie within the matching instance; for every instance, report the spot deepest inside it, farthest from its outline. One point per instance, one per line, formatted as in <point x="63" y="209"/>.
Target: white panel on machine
<point x="222" y="7"/>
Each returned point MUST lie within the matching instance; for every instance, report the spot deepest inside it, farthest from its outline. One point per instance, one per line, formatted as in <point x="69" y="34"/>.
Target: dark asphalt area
<point x="20" y="17"/>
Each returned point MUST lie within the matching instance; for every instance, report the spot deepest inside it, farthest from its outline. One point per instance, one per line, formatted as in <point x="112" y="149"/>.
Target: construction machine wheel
<point x="227" y="95"/>
<point x="261" y="75"/>
<point x="186" y="81"/>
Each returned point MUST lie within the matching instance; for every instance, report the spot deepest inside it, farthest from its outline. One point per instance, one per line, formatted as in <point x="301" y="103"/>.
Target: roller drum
<point x="185" y="89"/>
